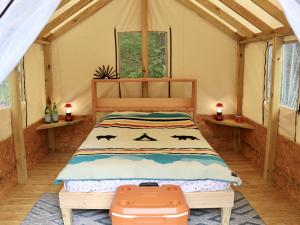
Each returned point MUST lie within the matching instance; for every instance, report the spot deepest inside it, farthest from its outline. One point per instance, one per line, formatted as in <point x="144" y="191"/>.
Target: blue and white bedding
<point x="146" y="146"/>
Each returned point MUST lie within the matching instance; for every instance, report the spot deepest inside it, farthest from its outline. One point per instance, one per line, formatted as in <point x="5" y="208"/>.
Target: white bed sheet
<point x="112" y="185"/>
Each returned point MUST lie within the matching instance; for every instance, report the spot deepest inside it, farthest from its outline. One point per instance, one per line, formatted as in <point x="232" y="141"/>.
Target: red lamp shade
<point x="219" y="115"/>
<point x="68" y="108"/>
<point x="219" y="105"/>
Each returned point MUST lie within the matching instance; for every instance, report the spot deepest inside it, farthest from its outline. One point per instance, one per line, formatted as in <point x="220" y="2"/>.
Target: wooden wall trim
<point x="17" y="126"/>
<point x="48" y="72"/>
<point x="240" y="78"/>
<point x="144" y="22"/>
<point x="274" y="107"/>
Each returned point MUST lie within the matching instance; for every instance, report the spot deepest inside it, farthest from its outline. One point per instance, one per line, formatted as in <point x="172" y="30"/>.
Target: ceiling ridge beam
<point x="86" y="13"/>
<point x="206" y="16"/>
<point x="272" y="10"/>
<point x="247" y="15"/>
<point x="64" y="16"/>
<point x="242" y="29"/>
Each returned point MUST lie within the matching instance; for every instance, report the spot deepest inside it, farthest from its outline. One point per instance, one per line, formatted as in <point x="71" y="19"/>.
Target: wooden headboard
<point x="102" y="104"/>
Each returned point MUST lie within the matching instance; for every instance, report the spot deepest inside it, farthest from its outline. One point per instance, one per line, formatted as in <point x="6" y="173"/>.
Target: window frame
<point x="267" y="78"/>
<point x="167" y="55"/>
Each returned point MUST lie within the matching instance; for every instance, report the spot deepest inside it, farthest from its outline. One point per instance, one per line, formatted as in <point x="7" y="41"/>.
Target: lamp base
<point x="219" y="117"/>
<point x="68" y="118"/>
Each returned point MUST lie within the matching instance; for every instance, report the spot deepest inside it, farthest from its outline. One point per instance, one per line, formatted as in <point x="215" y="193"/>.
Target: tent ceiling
<point x="244" y="20"/>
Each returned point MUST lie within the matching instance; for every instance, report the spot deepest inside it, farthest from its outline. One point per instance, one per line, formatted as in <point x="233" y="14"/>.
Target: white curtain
<point x="290" y="75"/>
<point x="19" y="27"/>
<point x="292" y="12"/>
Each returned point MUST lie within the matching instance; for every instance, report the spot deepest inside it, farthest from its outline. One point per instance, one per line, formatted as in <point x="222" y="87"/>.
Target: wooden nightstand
<point x="237" y="127"/>
<point x="50" y="127"/>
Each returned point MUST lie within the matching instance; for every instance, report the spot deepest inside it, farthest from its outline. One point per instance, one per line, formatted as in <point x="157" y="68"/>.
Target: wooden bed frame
<point x="102" y="200"/>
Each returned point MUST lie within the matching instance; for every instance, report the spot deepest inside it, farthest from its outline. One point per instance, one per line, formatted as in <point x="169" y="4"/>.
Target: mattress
<point x="112" y="185"/>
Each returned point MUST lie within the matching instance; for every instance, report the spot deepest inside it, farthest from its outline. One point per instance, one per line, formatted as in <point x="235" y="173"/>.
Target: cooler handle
<point x="148" y="184"/>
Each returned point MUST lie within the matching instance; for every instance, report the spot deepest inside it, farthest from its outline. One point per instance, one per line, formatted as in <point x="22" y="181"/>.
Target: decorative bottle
<point x="54" y="113"/>
<point x="47" y="114"/>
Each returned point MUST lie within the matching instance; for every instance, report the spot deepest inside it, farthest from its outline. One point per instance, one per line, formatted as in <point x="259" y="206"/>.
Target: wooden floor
<point x="270" y="203"/>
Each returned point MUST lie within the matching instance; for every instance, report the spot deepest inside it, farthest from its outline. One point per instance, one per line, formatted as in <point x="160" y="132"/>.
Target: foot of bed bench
<point x="67" y="216"/>
<point x="225" y="216"/>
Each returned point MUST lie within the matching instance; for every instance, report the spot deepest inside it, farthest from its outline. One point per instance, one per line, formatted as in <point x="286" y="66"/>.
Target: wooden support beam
<point x="274" y="106"/>
<point x="86" y="13"/>
<point x="240" y="78"/>
<point x="64" y="16"/>
<point x="279" y="32"/>
<point x="272" y="10"/>
<point x="242" y="29"/>
<point x="48" y="72"/>
<point x="62" y="3"/>
<point x="17" y="126"/>
<point x="200" y="12"/>
<point x="236" y="7"/>
<point x="144" y="16"/>
<point x="42" y="42"/>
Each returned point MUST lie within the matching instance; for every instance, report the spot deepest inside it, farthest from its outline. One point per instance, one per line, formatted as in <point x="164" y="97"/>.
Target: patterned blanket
<point x="146" y="146"/>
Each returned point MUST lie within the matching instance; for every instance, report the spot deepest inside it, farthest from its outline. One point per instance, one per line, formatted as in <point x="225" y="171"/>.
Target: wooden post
<point x="51" y="140"/>
<point x="144" y="23"/>
<point x="194" y="99"/>
<point x="274" y="106"/>
<point x="48" y="72"/>
<point x="17" y="126"/>
<point x="237" y="139"/>
<point x="240" y="78"/>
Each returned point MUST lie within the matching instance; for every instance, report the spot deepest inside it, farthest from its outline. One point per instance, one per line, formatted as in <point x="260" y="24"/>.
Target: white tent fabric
<point x="292" y="12"/>
<point x="19" y="27"/>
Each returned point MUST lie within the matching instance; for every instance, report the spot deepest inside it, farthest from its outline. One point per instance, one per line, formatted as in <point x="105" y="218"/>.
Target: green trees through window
<point x="130" y="52"/>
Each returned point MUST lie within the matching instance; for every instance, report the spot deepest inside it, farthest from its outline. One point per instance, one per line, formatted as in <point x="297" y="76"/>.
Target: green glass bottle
<point x="54" y="113"/>
<point x="47" y="114"/>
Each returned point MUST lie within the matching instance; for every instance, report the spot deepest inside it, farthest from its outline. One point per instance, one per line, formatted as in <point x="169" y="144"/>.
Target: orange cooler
<point x="149" y="205"/>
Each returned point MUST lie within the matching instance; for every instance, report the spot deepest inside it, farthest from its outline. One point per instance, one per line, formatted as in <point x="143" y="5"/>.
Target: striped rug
<point x="46" y="212"/>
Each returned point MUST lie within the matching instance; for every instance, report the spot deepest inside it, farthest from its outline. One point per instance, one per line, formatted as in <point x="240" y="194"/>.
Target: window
<point x="4" y="93"/>
<point x="130" y="52"/>
<point x="4" y="87"/>
<point x="290" y="75"/>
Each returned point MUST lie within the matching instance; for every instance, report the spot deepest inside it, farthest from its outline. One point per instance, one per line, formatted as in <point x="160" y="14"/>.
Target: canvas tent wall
<point x="204" y="44"/>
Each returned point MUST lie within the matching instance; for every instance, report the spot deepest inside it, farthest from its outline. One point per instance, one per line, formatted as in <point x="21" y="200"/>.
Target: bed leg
<point x="67" y="216"/>
<point x="225" y="216"/>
